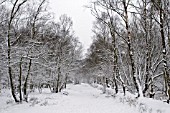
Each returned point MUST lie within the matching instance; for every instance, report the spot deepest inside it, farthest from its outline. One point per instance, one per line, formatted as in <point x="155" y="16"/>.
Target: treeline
<point x="35" y="50"/>
<point x="130" y="46"/>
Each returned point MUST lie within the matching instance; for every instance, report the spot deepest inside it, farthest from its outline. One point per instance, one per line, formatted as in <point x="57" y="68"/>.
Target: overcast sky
<point x="81" y="16"/>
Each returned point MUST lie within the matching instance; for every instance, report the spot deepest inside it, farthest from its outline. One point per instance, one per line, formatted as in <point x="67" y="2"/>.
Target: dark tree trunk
<point x="130" y="49"/>
<point x="115" y="56"/>
<point x="58" y="80"/>
<point x="146" y="86"/>
<point x="14" y="10"/>
<point x="20" y="80"/>
<point x="166" y="74"/>
<point x="152" y="93"/>
<point x="115" y="67"/>
<point x="26" y="81"/>
<point x="65" y="83"/>
<point x="9" y="65"/>
<point x="107" y="82"/>
<point x="12" y="85"/>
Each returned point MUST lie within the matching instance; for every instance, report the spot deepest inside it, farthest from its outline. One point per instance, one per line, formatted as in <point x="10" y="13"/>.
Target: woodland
<point x="129" y="52"/>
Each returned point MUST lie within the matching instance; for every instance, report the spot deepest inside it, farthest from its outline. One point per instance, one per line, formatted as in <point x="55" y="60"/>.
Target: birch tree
<point x="121" y="7"/>
<point x="160" y="7"/>
<point x="13" y="13"/>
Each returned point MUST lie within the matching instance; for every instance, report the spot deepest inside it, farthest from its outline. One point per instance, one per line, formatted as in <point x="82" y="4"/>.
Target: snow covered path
<point x="80" y="99"/>
<point x="85" y="99"/>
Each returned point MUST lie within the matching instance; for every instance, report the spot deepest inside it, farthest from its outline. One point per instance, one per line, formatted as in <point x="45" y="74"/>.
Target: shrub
<point x="9" y="101"/>
<point x="44" y="103"/>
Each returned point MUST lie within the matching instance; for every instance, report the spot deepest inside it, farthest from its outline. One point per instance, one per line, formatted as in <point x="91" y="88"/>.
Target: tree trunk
<point x="58" y="80"/>
<point x="9" y="64"/>
<point x="146" y="85"/>
<point x="115" y="56"/>
<point x="148" y="47"/>
<point x="26" y="81"/>
<point x="166" y="74"/>
<point x="65" y="82"/>
<point x="14" y="10"/>
<point x="115" y="63"/>
<point x="152" y="93"/>
<point x="0" y="82"/>
<point x="104" y="84"/>
<point x="130" y="49"/>
<point x="20" y="80"/>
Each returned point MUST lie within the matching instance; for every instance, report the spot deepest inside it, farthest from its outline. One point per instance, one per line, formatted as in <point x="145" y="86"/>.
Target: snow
<point x="164" y="50"/>
<point x="82" y="99"/>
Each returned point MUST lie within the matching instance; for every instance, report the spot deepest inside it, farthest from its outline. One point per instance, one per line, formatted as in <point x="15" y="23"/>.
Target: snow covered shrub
<point x="122" y="100"/>
<point x="159" y="111"/>
<point x="48" y="98"/>
<point x="9" y="101"/>
<point x="65" y="93"/>
<point x="114" y="96"/>
<point x="44" y="103"/>
<point x="100" y="88"/>
<point x="142" y="108"/>
<point x="34" y="101"/>
<point x="94" y="85"/>
<point x="109" y="92"/>
<point x="131" y="101"/>
<point x="33" y="98"/>
<point x="150" y="110"/>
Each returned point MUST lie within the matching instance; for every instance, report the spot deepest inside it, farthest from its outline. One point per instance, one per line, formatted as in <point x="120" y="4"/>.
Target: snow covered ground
<point x="82" y="99"/>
